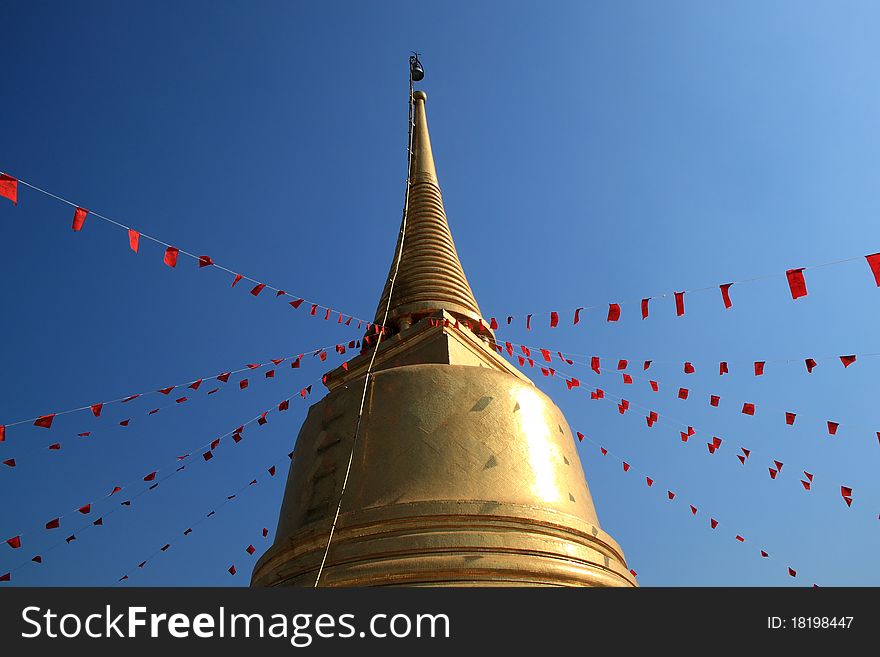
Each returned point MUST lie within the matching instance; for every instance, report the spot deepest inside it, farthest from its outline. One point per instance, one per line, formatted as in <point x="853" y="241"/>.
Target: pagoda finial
<point x="430" y="277"/>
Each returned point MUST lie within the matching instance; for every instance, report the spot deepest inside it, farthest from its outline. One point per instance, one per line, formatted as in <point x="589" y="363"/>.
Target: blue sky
<point x="588" y="153"/>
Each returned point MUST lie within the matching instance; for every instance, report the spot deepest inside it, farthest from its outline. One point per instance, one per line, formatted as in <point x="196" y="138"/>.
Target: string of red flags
<point x="795" y="276"/>
<point x="687" y="431"/>
<point x="747" y="408"/>
<point x="9" y="189"/>
<point x="191" y="528"/>
<point x="622" y="366"/>
<point x="673" y="497"/>
<point x="623" y="363"/>
<point x="613" y="312"/>
<point x="97" y="408"/>
<point x="206" y="451"/>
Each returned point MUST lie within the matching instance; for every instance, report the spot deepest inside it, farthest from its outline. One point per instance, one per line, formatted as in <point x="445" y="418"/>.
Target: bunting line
<point x="624" y="405"/>
<point x="180" y="461"/>
<point x="126" y="576"/>
<point x="9" y="189"/>
<point x="671" y="496"/>
<point x="46" y="421"/>
<point x="623" y="367"/>
<point x="795" y="278"/>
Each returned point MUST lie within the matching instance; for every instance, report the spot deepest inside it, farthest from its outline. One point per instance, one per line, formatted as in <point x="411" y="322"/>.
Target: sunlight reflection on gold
<point x="539" y="443"/>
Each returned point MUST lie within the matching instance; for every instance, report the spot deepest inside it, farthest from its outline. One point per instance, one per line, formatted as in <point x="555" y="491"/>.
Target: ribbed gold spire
<point x="430" y="277"/>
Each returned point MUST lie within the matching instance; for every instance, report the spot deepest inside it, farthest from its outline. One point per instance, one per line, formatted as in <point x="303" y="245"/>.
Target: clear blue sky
<point x="588" y="152"/>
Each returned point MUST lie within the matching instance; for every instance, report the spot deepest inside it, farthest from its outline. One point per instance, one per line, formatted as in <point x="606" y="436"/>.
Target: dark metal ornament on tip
<point x="416" y="72"/>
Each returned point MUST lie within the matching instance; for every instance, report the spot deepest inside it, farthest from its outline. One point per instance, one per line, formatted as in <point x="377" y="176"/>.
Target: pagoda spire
<point x="430" y="277"/>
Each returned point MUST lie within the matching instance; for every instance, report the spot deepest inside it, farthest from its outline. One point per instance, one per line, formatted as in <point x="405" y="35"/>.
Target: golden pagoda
<point x="463" y="472"/>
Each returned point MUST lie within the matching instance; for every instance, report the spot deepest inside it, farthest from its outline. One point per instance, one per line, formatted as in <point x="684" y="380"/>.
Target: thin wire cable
<point x="180" y="459"/>
<point x="666" y="295"/>
<point x="663" y="295"/>
<point x="378" y="340"/>
<point x="182" y="251"/>
<point x="179" y="385"/>
<point x="674" y="421"/>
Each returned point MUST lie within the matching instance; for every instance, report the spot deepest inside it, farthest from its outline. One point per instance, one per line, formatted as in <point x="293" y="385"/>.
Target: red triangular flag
<point x="713" y="522"/>
<point x="773" y="473"/>
<point x="96" y="409"/>
<point x="714" y="399"/>
<point x="613" y="312"/>
<point x="250" y="549"/>
<point x="45" y="421"/>
<point x="689" y="368"/>
<point x="577" y="315"/>
<point x="232" y="570"/>
<point x="625" y="466"/>
<point x="134" y="239"/>
<point x="243" y="384"/>
<point x="9" y="188"/>
<point x="646" y="364"/>
<point x="271" y="471"/>
<point x="670" y="495"/>
<point x="554" y="319"/>
<point x="796" y="283"/>
<point x="645" y="308"/>
<point x="792" y="571"/>
<point x="594" y="364"/>
<point x="14" y="542"/>
<point x="832" y="427"/>
<point x="789" y="417"/>
<point x="693" y="509"/>
<point x="171" y="256"/>
<point x="235" y="280"/>
<point x="806" y="484"/>
<point x="79" y="218"/>
<point x="2" y="432"/>
<point x="874" y="264"/>
<point x="748" y="409"/>
<point x="810" y="365"/>
<point x="150" y="477"/>
<point x="655" y="386"/>
<point x="848" y="360"/>
<point x="722" y="368"/>
<point x="759" y="367"/>
<point x="580" y="436"/>
<point x="205" y="261"/>
<point x="55" y="523"/>
<point x="682" y="393"/>
<point x="257" y="289"/>
<point x="725" y="294"/>
<point x="9" y="462"/>
<point x="649" y="481"/>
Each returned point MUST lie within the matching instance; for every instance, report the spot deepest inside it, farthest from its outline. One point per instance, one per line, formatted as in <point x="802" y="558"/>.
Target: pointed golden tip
<point x="420" y="95"/>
